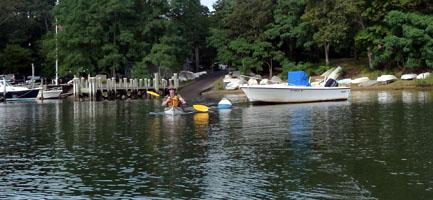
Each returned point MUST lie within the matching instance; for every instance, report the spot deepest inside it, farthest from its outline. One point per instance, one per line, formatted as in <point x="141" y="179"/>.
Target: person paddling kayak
<point x="173" y="99"/>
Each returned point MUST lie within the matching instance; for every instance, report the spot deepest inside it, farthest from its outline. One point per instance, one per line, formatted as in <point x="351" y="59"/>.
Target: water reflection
<point x="386" y="97"/>
<point x="300" y="129"/>
<point x="201" y="124"/>
<point x="224" y="115"/>
<point x="391" y="96"/>
<point x="172" y="124"/>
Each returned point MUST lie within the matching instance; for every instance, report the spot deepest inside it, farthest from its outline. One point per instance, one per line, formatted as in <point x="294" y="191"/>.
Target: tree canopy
<point x="132" y="37"/>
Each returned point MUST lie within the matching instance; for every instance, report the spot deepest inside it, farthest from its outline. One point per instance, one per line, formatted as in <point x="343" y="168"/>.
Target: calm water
<point x="377" y="145"/>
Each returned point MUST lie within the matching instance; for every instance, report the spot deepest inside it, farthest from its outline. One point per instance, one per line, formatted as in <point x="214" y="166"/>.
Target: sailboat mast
<point x="57" y="53"/>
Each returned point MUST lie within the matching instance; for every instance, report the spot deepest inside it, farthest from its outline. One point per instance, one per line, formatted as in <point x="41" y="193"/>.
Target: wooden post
<point x="146" y="84"/>
<point x="95" y="88"/>
<point x="156" y="82"/>
<point x="135" y="85"/>
<point x="74" y="86"/>
<point x="90" y="80"/>
<point x="4" y="88"/>
<point x="108" y="87"/>
<point x="164" y="84"/>
<point x="175" y="81"/>
<point x="108" y="84"/>
<point x="83" y="83"/>
<point x="115" y="88"/>
<point x="100" y="88"/>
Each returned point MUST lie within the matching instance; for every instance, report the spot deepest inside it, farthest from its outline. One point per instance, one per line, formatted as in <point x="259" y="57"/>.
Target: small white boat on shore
<point x="53" y="93"/>
<point x="173" y="110"/>
<point x="423" y="75"/>
<point x="408" y="76"/>
<point x="386" y="78"/>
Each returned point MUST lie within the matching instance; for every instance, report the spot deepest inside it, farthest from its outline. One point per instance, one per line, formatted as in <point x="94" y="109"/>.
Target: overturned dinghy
<point x="173" y="110"/>
<point x="423" y="75"/>
<point x="386" y="78"/>
<point x="408" y="76"/>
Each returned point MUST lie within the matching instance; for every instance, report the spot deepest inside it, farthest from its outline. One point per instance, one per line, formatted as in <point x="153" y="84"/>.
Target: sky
<point x="208" y="3"/>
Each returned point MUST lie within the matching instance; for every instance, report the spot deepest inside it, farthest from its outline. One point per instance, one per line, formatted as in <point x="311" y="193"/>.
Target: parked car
<point x="36" y="79"/>
<point x="13" y="78"/>
<point x="64" y="80"/>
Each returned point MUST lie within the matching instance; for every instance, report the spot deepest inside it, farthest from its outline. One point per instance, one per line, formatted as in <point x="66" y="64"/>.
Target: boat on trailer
<point x="173" y="110"/>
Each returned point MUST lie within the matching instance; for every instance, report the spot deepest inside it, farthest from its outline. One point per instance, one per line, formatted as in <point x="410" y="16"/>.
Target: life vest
<point x="174" y="101"/>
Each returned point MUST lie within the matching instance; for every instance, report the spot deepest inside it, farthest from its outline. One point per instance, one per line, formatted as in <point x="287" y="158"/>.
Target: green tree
<point x="15" y="59"/>
<point x="22" y="24"/>
<point x="191" y="18"/>
<point x="330" y="18"/>
<point x="288" y="31"/>
<point x="409" y="42"/>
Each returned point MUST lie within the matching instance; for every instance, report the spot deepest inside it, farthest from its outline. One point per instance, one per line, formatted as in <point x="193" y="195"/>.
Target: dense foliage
<point x="261" y="36"/>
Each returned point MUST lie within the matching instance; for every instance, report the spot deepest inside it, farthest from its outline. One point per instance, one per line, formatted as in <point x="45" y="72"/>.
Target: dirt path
<point x="202" y="84"/>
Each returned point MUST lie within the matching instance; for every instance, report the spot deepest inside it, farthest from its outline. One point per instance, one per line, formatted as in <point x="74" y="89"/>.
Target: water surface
<point x="377" y="145"/>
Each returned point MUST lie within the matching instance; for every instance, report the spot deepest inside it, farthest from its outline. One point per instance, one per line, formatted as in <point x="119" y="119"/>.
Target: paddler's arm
<point x="164" y="103"/>
<point x="182" y="100"/>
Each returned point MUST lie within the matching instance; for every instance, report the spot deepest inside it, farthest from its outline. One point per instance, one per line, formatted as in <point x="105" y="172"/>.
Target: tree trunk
<point x="46" y="25"/>
<point x="113" y="72"/>
<point x="370" y="58"/>
<point x="355" y="53"/>
<point x="197" y="57"/>
<point x="270" y="70"/>
<point x="113" y="68"/>
<point x="326" y="53"/>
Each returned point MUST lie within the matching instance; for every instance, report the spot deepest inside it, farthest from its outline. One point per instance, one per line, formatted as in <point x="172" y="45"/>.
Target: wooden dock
<point x="97" y="89"/>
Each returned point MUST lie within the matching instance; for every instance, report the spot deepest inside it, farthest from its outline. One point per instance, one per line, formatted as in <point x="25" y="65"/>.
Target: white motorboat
<point x="173" y="110"/>
<point x="16" y="92"/>
<point x="283" y="93"/>
<point x="296" y="90"/>
<point x="53" y="93"/>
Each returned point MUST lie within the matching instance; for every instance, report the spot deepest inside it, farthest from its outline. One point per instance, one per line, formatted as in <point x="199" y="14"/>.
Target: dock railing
<point x="95" y="89"/>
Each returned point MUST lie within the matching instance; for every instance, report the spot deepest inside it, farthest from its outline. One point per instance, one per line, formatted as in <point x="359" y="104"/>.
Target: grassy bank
<point x="355" y="69"/>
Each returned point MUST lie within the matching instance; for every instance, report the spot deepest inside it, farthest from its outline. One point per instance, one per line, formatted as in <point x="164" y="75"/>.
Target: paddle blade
<point x="201" y="108"/>
<point x="153" y="93"/>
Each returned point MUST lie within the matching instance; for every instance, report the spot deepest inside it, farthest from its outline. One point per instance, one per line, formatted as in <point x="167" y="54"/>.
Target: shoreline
<point x="353" y="88"/>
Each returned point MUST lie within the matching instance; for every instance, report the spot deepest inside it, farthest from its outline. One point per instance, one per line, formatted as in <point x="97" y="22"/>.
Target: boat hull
<point x="294" y="94"/>
<point x="20" y="95"/>
<point x="173" y="110"/>
<point x="49" y="94"/>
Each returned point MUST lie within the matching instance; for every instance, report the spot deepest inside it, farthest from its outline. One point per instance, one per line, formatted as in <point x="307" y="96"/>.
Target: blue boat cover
<point x="298" y="78"/>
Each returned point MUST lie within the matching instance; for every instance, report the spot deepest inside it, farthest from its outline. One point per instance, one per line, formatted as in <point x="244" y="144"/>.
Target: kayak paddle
<point x="153" y="93"/>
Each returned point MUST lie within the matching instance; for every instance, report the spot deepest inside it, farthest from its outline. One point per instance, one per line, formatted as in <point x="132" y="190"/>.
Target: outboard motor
<point x="331" y="83"/>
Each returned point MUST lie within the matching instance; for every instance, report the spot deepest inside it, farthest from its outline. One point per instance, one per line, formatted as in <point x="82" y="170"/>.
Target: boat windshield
<point x="2" y="83"/>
